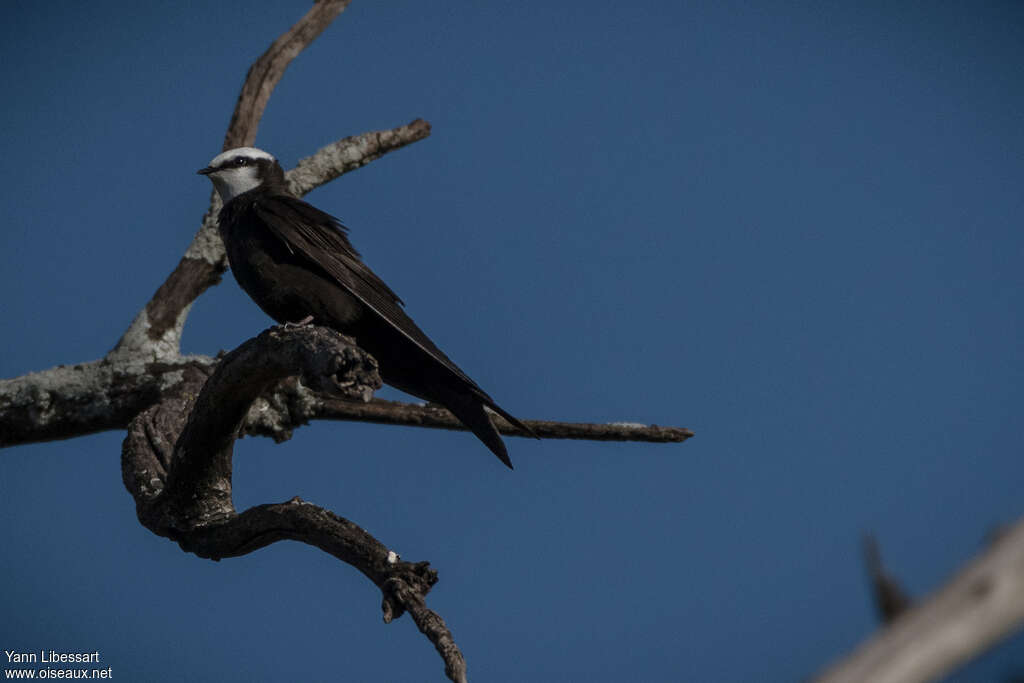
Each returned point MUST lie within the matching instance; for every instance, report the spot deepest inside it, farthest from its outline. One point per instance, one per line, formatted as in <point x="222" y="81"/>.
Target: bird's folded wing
<point x="320" y="238"/>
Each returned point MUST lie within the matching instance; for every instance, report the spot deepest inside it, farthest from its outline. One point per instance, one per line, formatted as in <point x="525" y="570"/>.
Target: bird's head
<point x="240" y="170"/>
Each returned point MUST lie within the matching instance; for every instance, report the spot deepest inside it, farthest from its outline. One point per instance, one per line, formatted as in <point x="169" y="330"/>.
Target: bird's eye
<point x="241" y="161"/>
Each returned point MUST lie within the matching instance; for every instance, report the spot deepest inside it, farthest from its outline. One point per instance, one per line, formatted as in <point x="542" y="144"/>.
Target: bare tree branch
<point x="184" y="491"/>
<point x="351" y="153"/>
<point x="75" y="400"/>
<point x="430" y="624"/>
<point x="437" y="417"/>
<point x="266" y="72"/>
<point x="981" y="605"/>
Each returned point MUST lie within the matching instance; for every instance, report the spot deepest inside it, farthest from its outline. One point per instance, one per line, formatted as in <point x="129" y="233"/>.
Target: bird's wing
<point x="321" y="239"/>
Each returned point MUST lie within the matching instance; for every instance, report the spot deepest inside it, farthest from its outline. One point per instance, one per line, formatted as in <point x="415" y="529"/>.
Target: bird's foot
<point x="302" y="323"/>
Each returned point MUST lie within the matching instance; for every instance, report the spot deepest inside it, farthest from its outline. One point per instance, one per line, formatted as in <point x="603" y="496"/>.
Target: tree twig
<point x="436" y="417"/>
<point x="351" y="153"/>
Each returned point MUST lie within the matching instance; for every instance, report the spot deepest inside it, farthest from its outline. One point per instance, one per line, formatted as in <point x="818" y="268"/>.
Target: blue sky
<point x="791" y="227"/>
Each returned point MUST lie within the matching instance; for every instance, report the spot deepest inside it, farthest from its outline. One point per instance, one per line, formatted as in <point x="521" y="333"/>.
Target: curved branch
<point x="184" y="492"/>
<point x="266" y="72"/>
<point x="200" y="466"/>
<point x="430" y="624"/>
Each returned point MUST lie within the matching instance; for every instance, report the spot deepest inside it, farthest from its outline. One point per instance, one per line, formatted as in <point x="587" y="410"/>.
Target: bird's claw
<point x="302" y="323"/>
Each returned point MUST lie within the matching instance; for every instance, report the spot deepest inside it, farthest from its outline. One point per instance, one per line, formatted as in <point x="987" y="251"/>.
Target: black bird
<point x="297" y="264"/>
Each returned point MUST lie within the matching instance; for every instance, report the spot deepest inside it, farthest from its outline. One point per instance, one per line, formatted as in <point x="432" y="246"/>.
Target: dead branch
<point x="437" y="417"/>
<point x="177" y="460"/>
<point x="266" y="72"/>
<point x="75" y="400"/>
<point x="981" y="605"/>
<point x="351" y="153"/>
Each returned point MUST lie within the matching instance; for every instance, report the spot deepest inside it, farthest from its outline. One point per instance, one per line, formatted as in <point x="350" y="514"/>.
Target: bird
<point x="297" y="264"/>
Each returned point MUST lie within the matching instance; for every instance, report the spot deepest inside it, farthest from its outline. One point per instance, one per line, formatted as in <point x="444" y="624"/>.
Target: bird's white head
<point x="239" y="170"/>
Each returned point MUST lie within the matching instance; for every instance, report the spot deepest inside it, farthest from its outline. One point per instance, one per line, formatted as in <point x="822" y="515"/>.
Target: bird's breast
<point x="283" y="283"/>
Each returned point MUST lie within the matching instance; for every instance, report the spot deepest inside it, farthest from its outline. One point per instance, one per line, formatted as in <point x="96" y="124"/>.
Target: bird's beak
<point x="206" y="171"/>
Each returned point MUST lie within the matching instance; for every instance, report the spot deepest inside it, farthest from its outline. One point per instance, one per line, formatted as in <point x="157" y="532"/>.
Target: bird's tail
<point x="471" y="413"/>
<point x="515" y="422"/>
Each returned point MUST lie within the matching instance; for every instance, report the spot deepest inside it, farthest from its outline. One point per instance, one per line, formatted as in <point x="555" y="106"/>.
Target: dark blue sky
<point x="794" y="228"/>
